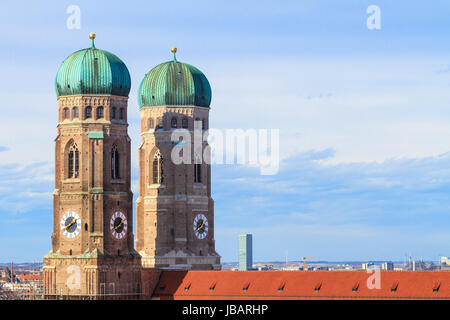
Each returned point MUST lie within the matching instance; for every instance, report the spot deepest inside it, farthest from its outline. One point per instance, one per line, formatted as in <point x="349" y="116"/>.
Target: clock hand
<point x="70" y="224"/>
<point x="118" y="226"/>
<point x="203" y="223"/>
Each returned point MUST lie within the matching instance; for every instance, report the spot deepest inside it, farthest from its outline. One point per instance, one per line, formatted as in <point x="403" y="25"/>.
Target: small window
<point x="99" y="112"/>
<point x="70" y="252"/>
<point x="121" y="114"/>
<point x="394" y="287"/>
<point x="174" y="123"/>
<point x="151" y="123"/>
<point x="318" y="287"/>
<point x="88" y="113"/>
<point x="437" y="286"/>
<point x="113" y="113"/>
<point x="85" y="227"/>
<point x="197" y="123"/>
<point x="66" y="113"/>
<point x="160" y="123"/>
<point x="203" y="124"/>
<point x="75" y="112"/>
<point x="184" y="123"/>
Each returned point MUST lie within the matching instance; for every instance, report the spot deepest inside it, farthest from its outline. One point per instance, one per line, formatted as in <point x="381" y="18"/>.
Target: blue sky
<point x="363" y="117"/>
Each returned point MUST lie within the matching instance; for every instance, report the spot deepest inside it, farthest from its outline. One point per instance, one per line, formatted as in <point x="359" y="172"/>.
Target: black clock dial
<point x="200" y="226"/>
<point x="71" y="224"/>
<point x="118" y="224"/>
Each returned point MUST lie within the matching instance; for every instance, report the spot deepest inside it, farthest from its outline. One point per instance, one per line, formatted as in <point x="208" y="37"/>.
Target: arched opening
<point x="157" y="168"/>
<point x="174" y="123"/>
<point x="88" y="113"/>
<point x="115" y="163"/>
<point x="66" y="113"/>
<point x="184" y="123"/>
<point x="73" y="168"/>
<point x="151" y="123"/>
<point x="75" y="112"/>
<point x="160" y="123"/>
<point x="100" y="113"/>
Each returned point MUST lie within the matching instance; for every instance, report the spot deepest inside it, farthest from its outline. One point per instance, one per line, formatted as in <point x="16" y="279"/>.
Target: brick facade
<point x="91" y="260"/>
<point x="166" y="211"/>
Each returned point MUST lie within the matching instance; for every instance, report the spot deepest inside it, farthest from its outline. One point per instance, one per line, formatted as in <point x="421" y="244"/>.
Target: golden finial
<point x="174" y="51"/>
<point x="92" y="37"/>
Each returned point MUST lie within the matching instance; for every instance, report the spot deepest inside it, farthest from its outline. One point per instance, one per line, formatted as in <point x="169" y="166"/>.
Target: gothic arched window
<point x="157" y="168"/>
<point x="174" y="123"/>
<point x="184" y="123"/>
<point x="115" y="163"/>
<point x="88" y="113"/>
<point x="73" y="161"/>
<point x="99" y="112"/>
<point x="66" y="113"/>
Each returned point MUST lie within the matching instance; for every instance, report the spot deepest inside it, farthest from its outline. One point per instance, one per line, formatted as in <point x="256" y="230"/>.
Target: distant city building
<point x="245" y="252"/>
<point x="444" y="261"/>
<point x="387" y="266"/>
<point x="367" y="265"/>
<point x="5" y="275"/>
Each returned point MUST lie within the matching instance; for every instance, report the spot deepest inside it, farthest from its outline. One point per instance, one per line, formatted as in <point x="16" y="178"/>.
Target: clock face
<point x="200" y="226"/>
<point x="70" y="224"/>
<point x="118" y="225"/>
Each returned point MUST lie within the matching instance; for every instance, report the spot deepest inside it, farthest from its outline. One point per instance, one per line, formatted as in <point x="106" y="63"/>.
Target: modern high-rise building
<point x="245" y="252"/>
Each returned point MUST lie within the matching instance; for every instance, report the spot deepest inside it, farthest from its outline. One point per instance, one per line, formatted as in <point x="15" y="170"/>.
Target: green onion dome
<point x="92" y="71"/>
<point x="174" y="83"/>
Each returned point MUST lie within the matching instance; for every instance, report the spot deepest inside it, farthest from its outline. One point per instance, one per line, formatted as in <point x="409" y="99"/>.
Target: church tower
<point x="92" y="253"/>
<point x="175" y="211"/>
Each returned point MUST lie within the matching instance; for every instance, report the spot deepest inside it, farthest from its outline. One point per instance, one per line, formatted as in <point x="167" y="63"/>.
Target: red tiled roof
<point x="23" y="277"/>
<point x="302" y="285"/>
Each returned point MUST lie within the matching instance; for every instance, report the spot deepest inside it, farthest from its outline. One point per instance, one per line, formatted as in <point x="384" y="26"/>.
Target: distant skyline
<point x="364" y="118"/>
